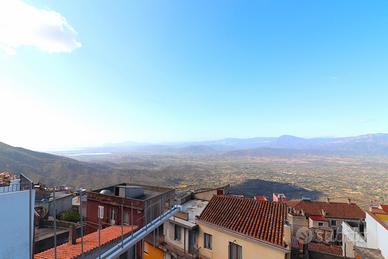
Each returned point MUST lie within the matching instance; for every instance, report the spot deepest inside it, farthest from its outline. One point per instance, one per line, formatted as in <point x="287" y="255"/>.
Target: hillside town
<point x="193" y="129"/>
<point x="133" y="220"/>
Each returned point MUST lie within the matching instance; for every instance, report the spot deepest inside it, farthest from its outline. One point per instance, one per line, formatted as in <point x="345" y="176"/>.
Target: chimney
<point x="349" y="200"/>
<point x="279" y="197"/>
<point x="328" y="199"/>
<point x="260" y="198"/>
<point x="72" y="235"/>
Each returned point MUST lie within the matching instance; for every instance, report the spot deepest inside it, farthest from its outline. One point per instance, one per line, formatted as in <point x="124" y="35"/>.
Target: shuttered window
<point x="235" y="251"/>
<point x="177" y="232"/>
<point x="207" y="238"/>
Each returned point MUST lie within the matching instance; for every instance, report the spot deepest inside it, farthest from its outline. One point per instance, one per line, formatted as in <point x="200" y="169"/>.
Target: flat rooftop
<point x="194" y="208"/>
<point x="42" y="233"/>
<point x="149" y="191"/>
<point x="191" y="209"/>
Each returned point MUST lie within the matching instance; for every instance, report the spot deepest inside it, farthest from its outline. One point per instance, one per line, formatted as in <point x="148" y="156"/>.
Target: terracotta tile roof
<point x="378" y="211"/>
<point x="69" y="251"/>
<point x="318" y="218"/>
<point x="263" y="220"/>
<point x="324" y="248"/>
<point x="341" y="210"/>
<point x="384" y="207"/>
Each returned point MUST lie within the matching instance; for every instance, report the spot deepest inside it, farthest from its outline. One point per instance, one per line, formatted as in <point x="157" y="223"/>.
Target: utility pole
<point x="132" y="228"/>
<point x="31" y="231"/>
<point x="122" y="228"/>
<point x="100" y="216"/>
<point x="99" y="226"/>
<point x="132" y="218"/>
<point x="55" y="226"/>
<point x="82" y="224"/>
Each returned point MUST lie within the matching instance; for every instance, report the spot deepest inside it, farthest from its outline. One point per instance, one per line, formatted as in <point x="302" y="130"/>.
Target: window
<point x="320" y="224"/>
<point x="235" y="251"/>
<point x="335" y="237"/>
<point x="126" y="218"/>
<point x="207" y="240"/>
<point x="112" y="216"/>
<point x="177" y="232"/>
<point x="333" y="222"/>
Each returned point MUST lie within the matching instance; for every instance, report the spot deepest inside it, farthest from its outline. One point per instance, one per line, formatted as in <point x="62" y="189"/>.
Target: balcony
<point x="20" y="183"/>
<point x="177" y="251"/>
<point x="353" y="235"/>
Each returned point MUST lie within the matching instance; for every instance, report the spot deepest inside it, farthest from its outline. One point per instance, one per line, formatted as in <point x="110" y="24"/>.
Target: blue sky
<point x="155" y="71"/>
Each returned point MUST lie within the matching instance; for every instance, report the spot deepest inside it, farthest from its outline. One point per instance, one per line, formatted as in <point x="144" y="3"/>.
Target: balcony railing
<point x="353" y="235"/>
<point x="19" y="184"/>
<point x="116" y="200"/>
<point x="180" y="252"/>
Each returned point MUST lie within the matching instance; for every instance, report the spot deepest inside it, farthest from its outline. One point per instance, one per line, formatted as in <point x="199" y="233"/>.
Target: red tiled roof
<point x="263" y="220"/>
<point x="318" y="218"/>
<point x="69" y="251"/>
<point x="384" y="207"/>
<point x="327" y="249"/>
<point x="260" y="198"/>
<point x="377" y="211"/>
<point x="341" y="210"/>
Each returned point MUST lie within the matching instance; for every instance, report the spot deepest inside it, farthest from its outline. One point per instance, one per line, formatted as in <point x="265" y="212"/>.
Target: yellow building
<point x="382" y="213"/>
<point x="151" y="252"/>
<point x="232" y="227"/>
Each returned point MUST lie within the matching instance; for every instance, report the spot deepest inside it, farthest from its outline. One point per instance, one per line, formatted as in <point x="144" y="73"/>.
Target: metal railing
<point x="12" y="187"/>
<point x="353" y="235"/>
<point x="22" y="183"/>
<point x="25" y="183"/>
<point x="97" y="226"/>
<point x="140" y="234"/>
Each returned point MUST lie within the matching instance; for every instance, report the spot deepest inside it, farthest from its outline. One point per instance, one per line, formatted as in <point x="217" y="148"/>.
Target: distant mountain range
<point x="370" y="144"/>
<point x="63" y="169"/>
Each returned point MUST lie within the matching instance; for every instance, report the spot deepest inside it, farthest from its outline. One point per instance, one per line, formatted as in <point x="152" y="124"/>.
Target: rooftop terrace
<point x="133" y="191"/>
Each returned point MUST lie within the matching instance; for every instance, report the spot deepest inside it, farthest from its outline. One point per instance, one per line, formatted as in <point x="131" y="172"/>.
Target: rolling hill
<point x="56" y="170"/>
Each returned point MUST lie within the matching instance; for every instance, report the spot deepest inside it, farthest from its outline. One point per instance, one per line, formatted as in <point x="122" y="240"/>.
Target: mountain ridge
<point x="51" y="168"/>
<point x="373" y="144"/>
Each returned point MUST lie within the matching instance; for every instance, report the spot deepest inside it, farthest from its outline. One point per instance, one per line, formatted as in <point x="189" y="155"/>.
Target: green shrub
<point x="70" y="215"/>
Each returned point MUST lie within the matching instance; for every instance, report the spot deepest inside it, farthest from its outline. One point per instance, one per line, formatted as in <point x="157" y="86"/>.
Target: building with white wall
<point x="373" y="243"/>
<point x="181" y="231"/>
<point x="377" y="232"/>
<point x="17" y="219"/>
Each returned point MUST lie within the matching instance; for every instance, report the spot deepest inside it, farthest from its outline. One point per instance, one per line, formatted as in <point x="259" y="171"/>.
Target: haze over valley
<point x="339" y="168"/>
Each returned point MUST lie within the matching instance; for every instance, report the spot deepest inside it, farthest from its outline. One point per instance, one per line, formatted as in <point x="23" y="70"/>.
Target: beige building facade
<point x="249" y="248"/>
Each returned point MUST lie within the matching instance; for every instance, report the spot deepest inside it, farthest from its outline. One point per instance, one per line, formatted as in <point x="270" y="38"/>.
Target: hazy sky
<point x="75" y="73"/>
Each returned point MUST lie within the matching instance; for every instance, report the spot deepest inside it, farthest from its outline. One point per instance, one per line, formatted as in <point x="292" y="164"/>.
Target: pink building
<point x="279" y="197"/>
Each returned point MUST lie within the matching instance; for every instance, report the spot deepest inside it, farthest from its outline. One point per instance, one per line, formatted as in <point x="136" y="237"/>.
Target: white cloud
<point x="24" y="25"/>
